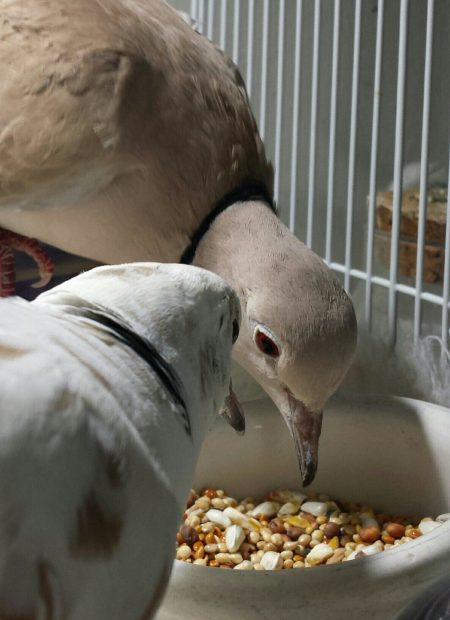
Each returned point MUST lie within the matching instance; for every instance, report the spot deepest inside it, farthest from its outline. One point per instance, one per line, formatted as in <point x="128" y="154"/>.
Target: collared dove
<point x="127" y="136"/>
<point x="109" y="382"/>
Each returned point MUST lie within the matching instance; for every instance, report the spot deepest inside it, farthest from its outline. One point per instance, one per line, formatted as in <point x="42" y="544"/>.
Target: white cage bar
<point x="337" y="139"/>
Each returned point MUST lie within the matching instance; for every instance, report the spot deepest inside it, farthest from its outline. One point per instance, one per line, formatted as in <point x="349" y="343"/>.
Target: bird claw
<point x="15" y="242"/>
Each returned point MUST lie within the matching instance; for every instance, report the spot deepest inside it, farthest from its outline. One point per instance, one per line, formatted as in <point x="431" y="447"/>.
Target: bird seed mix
<point x="287" y="530"/>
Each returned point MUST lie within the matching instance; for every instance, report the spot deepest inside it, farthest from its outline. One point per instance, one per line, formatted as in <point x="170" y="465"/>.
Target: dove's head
<point x="190" y="316"/>
<point x="298" y="331"/>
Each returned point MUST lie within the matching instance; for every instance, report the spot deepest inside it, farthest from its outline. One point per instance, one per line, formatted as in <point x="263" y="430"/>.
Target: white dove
<point x="109" y="382"/>
<point x="127" y="136"/>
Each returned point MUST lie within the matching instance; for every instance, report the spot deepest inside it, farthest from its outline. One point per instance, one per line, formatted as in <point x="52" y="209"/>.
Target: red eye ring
<point x="266" y="345"/>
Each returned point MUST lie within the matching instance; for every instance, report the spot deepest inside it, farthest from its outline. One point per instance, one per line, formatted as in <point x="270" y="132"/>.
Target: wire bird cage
<point x="351" y="98"/>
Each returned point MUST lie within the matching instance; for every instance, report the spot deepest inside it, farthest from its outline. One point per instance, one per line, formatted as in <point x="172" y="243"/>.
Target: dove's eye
<point x="265" y="344"/>
<point x="235" y="331"/>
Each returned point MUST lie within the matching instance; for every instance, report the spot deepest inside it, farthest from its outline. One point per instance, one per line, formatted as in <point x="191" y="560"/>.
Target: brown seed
<point x="210" y="539"/>
<point x="331" y="529"/>
<point x="246" y="553"/>
<point x="396" y="530"/>
<point x="309" y="517"/>
<point x="180" y="540"/>
<point x="214" y="563"/>
<point x="414" y="533"/>
<point x="369" y="534"/>
<point x="189" y="534"/>
<point x="197" y="545"/>
<point x="277" y="526"/>
<point x="294" y="532"/>
<point x="211" y="493"/>
<point x="388" y="540"/>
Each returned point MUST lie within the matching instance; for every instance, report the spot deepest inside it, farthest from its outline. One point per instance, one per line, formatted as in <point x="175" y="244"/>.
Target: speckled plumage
<point x="95" y="459"/>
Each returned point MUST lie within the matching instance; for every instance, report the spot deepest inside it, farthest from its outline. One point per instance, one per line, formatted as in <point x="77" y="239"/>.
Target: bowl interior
<point x="391" y="453"/>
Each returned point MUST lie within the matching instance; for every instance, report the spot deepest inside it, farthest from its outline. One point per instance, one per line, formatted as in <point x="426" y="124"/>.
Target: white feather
<point x="94" y="463"/>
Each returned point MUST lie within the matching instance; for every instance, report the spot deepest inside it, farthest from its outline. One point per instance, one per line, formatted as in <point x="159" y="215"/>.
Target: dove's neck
<point x="243" y="232"/>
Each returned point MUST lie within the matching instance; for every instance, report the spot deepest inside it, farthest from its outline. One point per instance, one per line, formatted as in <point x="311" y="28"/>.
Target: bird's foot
<point x="11" y="242"/>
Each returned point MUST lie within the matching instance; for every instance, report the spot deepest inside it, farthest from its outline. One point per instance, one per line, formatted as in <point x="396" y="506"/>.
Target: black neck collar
<point x="116" y="327"/>
<point x="245" y="193"/>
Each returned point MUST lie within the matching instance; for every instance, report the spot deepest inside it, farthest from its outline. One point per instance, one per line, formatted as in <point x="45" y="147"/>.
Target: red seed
<point x="211" y="493"/>
<point x="369" y="534"/>
<point x="396" y="530"/>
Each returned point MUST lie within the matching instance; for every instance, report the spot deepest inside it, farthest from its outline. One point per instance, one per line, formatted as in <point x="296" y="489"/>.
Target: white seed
<point x="236" y="558"/>
<point x="192" y="520"/>
<point x="245" y="565"/>
<point x="426" y="526"/>
<point x="285" y="495"/>
<point x="272" y="560"/>
<point x="290" y="508"/>
<point x="235" y="516"/>
<point x="319" y="554"/>
<point x="218" y="502"/>
<point x="203" y="503"/>
<point x="200" y="561"/>
<point x="258" y="567"/>
<point x="269" y="509"/>
<point x="276" y="539"/>
<point x="315" y="508"/>
<point x="222" y="547"/>
<point x="234" y="537"/>
<point x="376" y="547"/>
<point x="287" y="555"/>
<point x="217" y="516"/>
<point x="254" y="537"/>
<point x="211" y="548"/>
<point x="183" y="552"/>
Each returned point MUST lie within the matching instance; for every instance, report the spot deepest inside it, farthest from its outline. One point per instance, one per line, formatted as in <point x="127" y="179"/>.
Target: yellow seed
<point x="334" y="542"/>
<point x="322" y="519"/>
<point x="297" y="521"/>
<point x="199" y="553"/>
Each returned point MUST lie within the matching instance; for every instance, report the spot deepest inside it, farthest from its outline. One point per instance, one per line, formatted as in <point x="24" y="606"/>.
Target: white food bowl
<point x="392" y="453"/>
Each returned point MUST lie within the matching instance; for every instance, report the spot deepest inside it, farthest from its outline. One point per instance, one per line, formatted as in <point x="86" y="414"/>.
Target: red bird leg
<point x="10" y="242"/>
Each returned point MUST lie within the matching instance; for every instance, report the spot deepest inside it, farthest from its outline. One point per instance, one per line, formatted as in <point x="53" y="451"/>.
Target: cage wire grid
<point x="347" y="94"/>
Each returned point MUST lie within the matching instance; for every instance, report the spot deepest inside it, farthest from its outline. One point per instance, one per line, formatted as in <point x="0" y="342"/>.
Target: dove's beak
<point x="233" y="413"/>
<point x="305" y="426"/>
